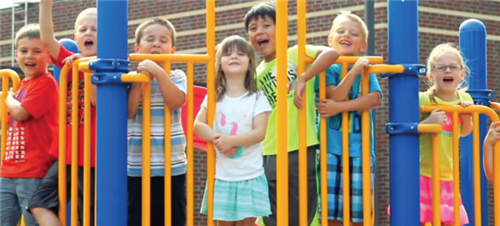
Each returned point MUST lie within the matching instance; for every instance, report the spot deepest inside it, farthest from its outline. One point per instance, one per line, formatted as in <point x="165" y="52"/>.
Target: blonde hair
<point x="30" y="31"/>
<point x="85" y="12"/>
<point x="431" y="62"/>
<point x="230" y="43"/>
<point x="160" y="21"/>
<point x="353" y="17"/>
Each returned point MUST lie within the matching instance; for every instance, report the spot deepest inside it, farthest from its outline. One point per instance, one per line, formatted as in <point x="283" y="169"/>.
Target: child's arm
<point x="466" y="120"/>
<point x="329" y="107"/>
<point x="492" y="137"/>
<point x="173" y="97"/>
<point x="15" y="108"/>
<point x="201" y="127"/>
<point x="340" y="92"/>
<point x="47" y="28"/>
<point x="436" y="117"/>
<point x="134" y="97"/>
<point x="256" y="135"/>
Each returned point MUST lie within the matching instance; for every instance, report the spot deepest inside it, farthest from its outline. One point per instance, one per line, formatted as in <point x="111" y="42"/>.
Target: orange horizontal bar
<point x="353" y="59"/>
<point x="135" y="78"/>
<point x="84" y="66"/>
<point x="195" y="58"/>
<point x="471" y="109"/>
<point x="385" y="68"/>
<point x="430" y="128"/>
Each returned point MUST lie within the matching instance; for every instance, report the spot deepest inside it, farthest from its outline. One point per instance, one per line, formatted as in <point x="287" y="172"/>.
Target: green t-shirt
<point x="445" y="141"/>
<point x="267" y="82"/>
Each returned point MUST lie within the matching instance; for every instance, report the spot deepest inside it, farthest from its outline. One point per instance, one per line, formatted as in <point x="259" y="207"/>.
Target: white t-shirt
<point x="234" y="116"/>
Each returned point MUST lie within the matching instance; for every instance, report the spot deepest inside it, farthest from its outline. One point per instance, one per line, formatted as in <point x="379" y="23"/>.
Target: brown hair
<point x="160" y="21"/>
<point x="228" y="44"/>
<point x="30" y="31"/>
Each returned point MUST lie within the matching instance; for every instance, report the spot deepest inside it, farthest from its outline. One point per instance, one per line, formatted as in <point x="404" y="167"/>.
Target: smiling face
<point x="262" y="36"/>
<point x="347" y="37"/>
<point x="234" y="62"/>
<point x="86" y="34"/>
<point x="446" y="72"/>
<point x="32" y="57"/>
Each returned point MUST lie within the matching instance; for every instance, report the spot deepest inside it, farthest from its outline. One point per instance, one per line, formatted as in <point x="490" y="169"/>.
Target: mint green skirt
<point x="238" y="200"/>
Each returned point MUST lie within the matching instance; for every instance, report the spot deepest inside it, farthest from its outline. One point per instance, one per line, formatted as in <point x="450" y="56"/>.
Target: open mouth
<point x="263" y="42"/>
<point x="345" y="43"/>
<point x="88" y="43"/>
<point x="448" y="79"/>
<point x="30" y="65"/>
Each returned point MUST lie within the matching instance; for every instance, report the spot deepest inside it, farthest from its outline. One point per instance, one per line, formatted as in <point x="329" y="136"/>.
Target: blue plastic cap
<point x="472" y="25"/>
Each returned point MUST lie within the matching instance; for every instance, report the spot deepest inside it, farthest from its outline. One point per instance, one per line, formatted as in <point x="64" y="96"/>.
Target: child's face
<point x="32" y="56"/>
<point x="86" y="35"/>
<point x="262" y="36"/>
<point x="234" y="62"/>
<point x="156" y="39"/>
<point x="447" y="72"/>
<point x="347" y="38"/>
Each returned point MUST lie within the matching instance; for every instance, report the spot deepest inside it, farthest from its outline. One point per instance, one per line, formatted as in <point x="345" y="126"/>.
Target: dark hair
<point x="160" y="21"/>
<point x="229" y="44"/>
<point x="260" y="10"/>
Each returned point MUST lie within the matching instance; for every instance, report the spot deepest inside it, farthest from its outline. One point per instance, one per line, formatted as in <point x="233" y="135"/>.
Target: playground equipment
<point x="109" y="74"/>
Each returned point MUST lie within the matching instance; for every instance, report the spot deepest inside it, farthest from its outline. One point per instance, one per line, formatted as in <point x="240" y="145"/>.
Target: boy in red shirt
<point x="32" y="128"/>
<point x="45" y="202"/>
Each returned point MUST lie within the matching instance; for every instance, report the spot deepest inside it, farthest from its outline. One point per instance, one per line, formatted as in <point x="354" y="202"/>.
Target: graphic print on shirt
<point x="81" y="102"/>
<point x="269" y="83"/>
<point x="448" y="125"/>
<point x="231" y="129"/>
<point x="15" y="149"/>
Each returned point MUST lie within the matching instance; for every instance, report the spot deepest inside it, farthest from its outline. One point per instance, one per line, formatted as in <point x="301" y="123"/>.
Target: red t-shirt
<point x="63" y="53"/>
<point x="29" y="142"/>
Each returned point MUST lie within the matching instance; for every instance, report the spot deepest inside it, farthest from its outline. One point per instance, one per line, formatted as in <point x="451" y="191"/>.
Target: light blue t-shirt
<point x="334" y="123"/>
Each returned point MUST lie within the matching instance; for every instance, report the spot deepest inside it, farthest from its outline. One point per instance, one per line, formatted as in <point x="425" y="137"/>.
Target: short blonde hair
<point x="85" y="12"/>
<point x="30" y="31"/>
<point x="161" y="21"/>
<point x="352" y="17"/>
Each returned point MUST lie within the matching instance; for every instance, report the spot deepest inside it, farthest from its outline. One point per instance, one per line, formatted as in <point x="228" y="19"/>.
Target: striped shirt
<point x="134" y="156"/>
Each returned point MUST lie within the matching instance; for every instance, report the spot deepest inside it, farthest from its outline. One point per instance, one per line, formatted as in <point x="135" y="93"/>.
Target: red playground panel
<point x="199" y="95"/>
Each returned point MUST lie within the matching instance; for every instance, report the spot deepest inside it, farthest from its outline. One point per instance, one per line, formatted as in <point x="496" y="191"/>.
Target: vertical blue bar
<point x="403" y="108"/>
<point x="473" y="46"/>
<point x="111" y="193"/>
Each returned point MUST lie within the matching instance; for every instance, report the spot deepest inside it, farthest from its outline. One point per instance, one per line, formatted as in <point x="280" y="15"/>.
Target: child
<point x="489" y="142"/>
<point x="240" y="190"/>
<point x="260" y="23"/>
<point x="45" y="202"/>
<point x="157" y="36"/>
<point x="32" y="129"/>
<point x="446" y="71"/>
<point x="348" y="36"/>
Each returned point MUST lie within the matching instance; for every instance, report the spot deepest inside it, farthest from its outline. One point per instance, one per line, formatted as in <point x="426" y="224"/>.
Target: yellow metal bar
<point x="476" y="168"/>
<point x="190" y="149"/>
<point x="146" y="154"/>
<point x="301" y="38"/>
<point x="14" y="77"/>
<point x="456" y="169"/>
<point x="75" y="83"/>
<point x="461" y="110"/>
<point x="429" y="128"/>
<point x="135" y="78"/>
<point x="366" y="156"/>
<point x="377" y="69"/>
<point x="210" y="24"/>
<point x="63" y="99"/>
<point x="345" y="157"/>
<point x="282" y="145"/>
<point x="495" y="106"/>
<point x="86" y="147"/>
<point x="496" y="183"/>
<point x="168" y="159"/>
<point x="194" y="58"/>
<point x="323" y="155"/>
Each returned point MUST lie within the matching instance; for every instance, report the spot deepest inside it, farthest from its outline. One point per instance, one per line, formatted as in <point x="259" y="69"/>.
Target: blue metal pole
<point x="112" y="53"/>
<point x="404" y="165"/>
<point x="71" y="46"/>
<point x="473" y="46"/>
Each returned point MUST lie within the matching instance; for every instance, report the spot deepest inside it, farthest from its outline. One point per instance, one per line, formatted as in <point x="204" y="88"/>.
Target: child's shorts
<point x="335" y="187"/>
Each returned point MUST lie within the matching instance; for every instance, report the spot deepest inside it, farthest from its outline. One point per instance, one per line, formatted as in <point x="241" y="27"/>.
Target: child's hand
<point x="69" y="60"/>
<point x="493" y="134"/>
<point x="464" y="104"/>
<point x="231" y="152"/>
<point x="360" y="64"/>
<point x="327" y="108"/>
<point x="437" y="117"/>
<point x="299" y="91"/>
<point x="223" y="143"/>
<point x="149" y="68"/>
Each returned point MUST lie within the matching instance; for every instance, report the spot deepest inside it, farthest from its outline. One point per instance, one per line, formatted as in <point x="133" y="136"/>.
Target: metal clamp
<point x="114" y="65"/>
<point x="410" y="69"/>
<point x="481" y="96"/>
<point x="107" y="78"/>
<point x="401" y="128"/>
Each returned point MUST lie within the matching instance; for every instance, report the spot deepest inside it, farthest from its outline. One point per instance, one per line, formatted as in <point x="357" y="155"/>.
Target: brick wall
<point x="439" y="22"/>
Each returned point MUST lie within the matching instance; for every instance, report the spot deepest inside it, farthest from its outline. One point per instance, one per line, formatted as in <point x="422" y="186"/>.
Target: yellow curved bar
<point x="210" y="24"/>
<point x="168" y="158"/>
<point x="456" y="168"/>
<point x="86" y="147"/>
<point x="84" y="67"/>
<point x="135" y="78"/>
<point x="63" y="107"/>
<point x="75" y="83"/>
<point x="194" y="58"/>
<point x="476" y="162"/>
<point x="146" y="154"/>
<point x="6" y="74"/>
<point x="462" y="110"/>
<point x="345" y="155"/>
<point x="189" y="145"/>
<point x="301" y="38"/>
<point x="495" y="106"/>
<point x="366" y="155"/>
<point x="385" y="68"/>
<point x="435" y="131"/>
<point x="282" y="85"/>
